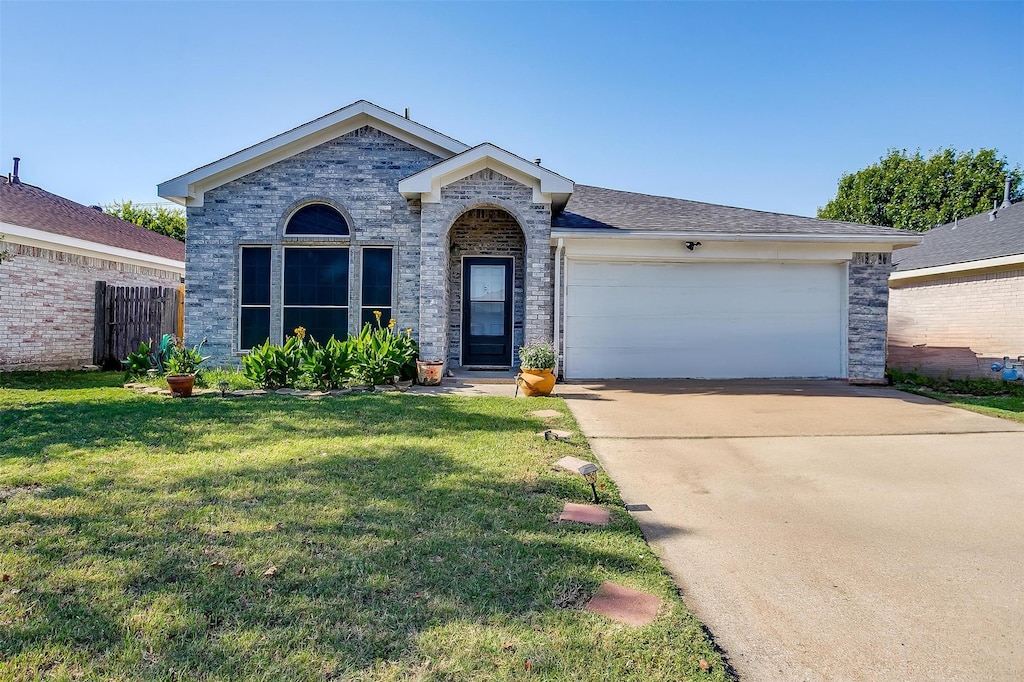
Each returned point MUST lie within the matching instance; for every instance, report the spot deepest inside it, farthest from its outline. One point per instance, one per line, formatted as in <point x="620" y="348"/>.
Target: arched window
<point x="318" y="219"/>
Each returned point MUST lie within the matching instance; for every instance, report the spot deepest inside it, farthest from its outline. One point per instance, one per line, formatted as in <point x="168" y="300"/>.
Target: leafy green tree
<point x="169" y="222"/>
<point x="912" y="192"/>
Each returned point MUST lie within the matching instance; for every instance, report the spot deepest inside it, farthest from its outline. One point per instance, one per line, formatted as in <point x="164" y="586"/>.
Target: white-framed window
<point x="377" y="284"/>
<point x="254" y="296"/>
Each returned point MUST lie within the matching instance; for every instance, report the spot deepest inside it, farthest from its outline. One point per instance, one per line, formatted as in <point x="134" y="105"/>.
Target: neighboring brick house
<point x="956" y="301"/>
<point x="59" y="250"/>
<point x="479" y="250"/>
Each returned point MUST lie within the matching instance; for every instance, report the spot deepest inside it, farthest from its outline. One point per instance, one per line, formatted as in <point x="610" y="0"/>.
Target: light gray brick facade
<point x="358" y="174"/>
<point x="431" y="229"/>
<point x="483" y="189"/>
<point x="868" y="306"/>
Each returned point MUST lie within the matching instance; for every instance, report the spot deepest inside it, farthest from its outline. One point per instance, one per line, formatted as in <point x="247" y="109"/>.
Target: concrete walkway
<point x="827" y="532"/>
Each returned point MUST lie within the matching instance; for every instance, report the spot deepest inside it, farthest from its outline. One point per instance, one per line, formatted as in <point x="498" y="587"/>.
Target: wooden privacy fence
<point x="126" y="316"/>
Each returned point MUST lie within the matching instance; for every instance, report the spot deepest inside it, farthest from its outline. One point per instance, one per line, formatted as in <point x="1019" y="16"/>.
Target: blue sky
<point x="762" y="105"/>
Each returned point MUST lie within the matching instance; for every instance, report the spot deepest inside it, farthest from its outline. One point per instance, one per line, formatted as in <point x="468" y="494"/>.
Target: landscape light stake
<point x="223" y="386"/>
<point x="589" y="472"/>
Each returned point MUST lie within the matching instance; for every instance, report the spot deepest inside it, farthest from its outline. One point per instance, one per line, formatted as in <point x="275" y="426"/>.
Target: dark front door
<point x="487" y="311"/>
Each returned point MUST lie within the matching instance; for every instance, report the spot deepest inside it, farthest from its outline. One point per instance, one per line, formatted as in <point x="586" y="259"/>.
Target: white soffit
<point x="188" y="189"/>
<point x="17" y="234"/>
<point x="548" y="187"/>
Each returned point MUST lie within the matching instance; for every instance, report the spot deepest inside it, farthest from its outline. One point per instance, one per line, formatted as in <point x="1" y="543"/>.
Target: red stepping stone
<point x="585" y="513"/>
<point x="624" y="605"/>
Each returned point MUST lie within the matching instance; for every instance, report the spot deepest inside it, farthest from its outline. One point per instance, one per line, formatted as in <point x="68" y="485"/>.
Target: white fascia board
<point x="188" y="189"/>
<point x="955" y="268"/>
<point x="426" y="185"/>
<point x="28" y="236"/>
<point x="880" y="240"/>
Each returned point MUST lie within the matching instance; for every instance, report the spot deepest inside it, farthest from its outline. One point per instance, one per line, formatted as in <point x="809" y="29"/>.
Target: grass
<point x="987" y="396"/>
<point x="370" y="537"/>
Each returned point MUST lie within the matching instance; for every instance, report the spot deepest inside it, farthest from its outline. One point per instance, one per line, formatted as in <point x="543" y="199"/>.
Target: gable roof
<point x="614" y="211"/>
<point x="31" y="207"/>
<point x="548" y="186"/>
<point x="188" y="189"/>
<point x="970" y="239"/>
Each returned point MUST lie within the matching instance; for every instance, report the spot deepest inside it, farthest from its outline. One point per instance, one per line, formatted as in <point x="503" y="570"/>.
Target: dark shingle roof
<point x="600" y="208"/>
<point x="968" y="239"/>
<point x="30" y="206"/>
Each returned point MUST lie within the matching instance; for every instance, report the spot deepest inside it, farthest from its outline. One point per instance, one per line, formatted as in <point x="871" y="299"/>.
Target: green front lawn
<point x="996" y="398"/>
<point x="372" y="537"/>
<point x="1004" y="406"/>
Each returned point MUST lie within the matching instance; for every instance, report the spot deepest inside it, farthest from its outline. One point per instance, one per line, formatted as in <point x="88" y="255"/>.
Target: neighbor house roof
<point x="27" y="206"/>
<point x="598" y="209"/>
<point x="966" y="240"/>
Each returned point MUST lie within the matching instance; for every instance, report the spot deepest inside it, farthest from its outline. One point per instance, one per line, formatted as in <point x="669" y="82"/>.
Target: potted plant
<point x="536" y="365"/>
<point x="182" y="366"/>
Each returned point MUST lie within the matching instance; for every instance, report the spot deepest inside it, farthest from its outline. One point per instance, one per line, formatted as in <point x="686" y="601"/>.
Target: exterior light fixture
<point x="690" y="246"/>
<point x="223" y="386"/>
<point x="589" y="473"/>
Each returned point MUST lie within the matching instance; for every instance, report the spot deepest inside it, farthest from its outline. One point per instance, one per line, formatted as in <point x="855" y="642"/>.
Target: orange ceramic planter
<point x="181" y="384"/>
<point x="535" y="382"/>
<point x="428" y="372"/>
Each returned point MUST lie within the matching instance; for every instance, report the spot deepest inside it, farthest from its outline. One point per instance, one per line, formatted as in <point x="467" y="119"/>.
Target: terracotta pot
<point x="428" y="372"/>
<point x="181" y="384"/>
<point x="536" y="381"/>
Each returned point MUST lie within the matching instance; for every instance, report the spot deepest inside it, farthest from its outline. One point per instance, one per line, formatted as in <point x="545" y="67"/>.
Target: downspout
<point x="558" y="305"/>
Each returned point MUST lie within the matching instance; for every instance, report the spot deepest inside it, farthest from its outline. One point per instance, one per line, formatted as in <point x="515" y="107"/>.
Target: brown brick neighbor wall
<point x="956" y="325"/>
<point x="47" y="304"/>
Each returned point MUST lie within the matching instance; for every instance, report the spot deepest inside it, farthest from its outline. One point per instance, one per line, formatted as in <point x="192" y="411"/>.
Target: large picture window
<point x="376" y="285"/>
<point x="254" y="297"/>
<point x="316" y="291"/>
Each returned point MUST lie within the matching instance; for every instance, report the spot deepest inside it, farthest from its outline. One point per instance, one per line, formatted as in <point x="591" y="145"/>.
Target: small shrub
<point x="381" y="353"/>
<point x="185" y="360"/>
<point x="327" y="366"/>
<point x="138" y="363"/>
<point x="272" y="367"/>
<point x="537" y="355"/>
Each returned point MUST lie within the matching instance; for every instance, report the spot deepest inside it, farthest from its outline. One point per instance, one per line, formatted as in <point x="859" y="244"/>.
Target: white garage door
<point x="703" y="320"/>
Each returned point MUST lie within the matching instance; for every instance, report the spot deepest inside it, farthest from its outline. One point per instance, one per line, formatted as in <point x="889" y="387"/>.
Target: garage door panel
<point x="709" y="320"/>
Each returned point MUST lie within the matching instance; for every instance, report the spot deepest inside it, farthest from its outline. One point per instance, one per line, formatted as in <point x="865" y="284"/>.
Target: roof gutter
<point x="50" y="240"/>
<point x="897" y="240"/>
<point x="952" y="268"/>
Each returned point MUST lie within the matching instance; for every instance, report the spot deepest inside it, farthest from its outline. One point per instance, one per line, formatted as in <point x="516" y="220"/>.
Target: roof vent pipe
<point x="993" y="214"/>
<point x="1006" y="192"/>
<point x="14" y="178"/>
<point x="407" y="114"/>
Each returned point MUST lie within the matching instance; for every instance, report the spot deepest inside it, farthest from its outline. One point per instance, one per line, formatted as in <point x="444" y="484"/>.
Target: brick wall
<point x="484" y="232"/>
<point x="957" y="325"/>
<point x="47" y="304"/>
<point x="868" y="301"/>
<point x="358" y="174"/>
<point x="484" y="189"/>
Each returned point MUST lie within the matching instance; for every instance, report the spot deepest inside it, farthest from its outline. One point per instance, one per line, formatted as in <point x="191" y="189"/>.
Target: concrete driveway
<point x="826" y="532"/>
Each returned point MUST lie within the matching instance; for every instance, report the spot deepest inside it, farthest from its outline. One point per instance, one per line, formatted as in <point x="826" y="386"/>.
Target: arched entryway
<point x="486" y="288"/>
